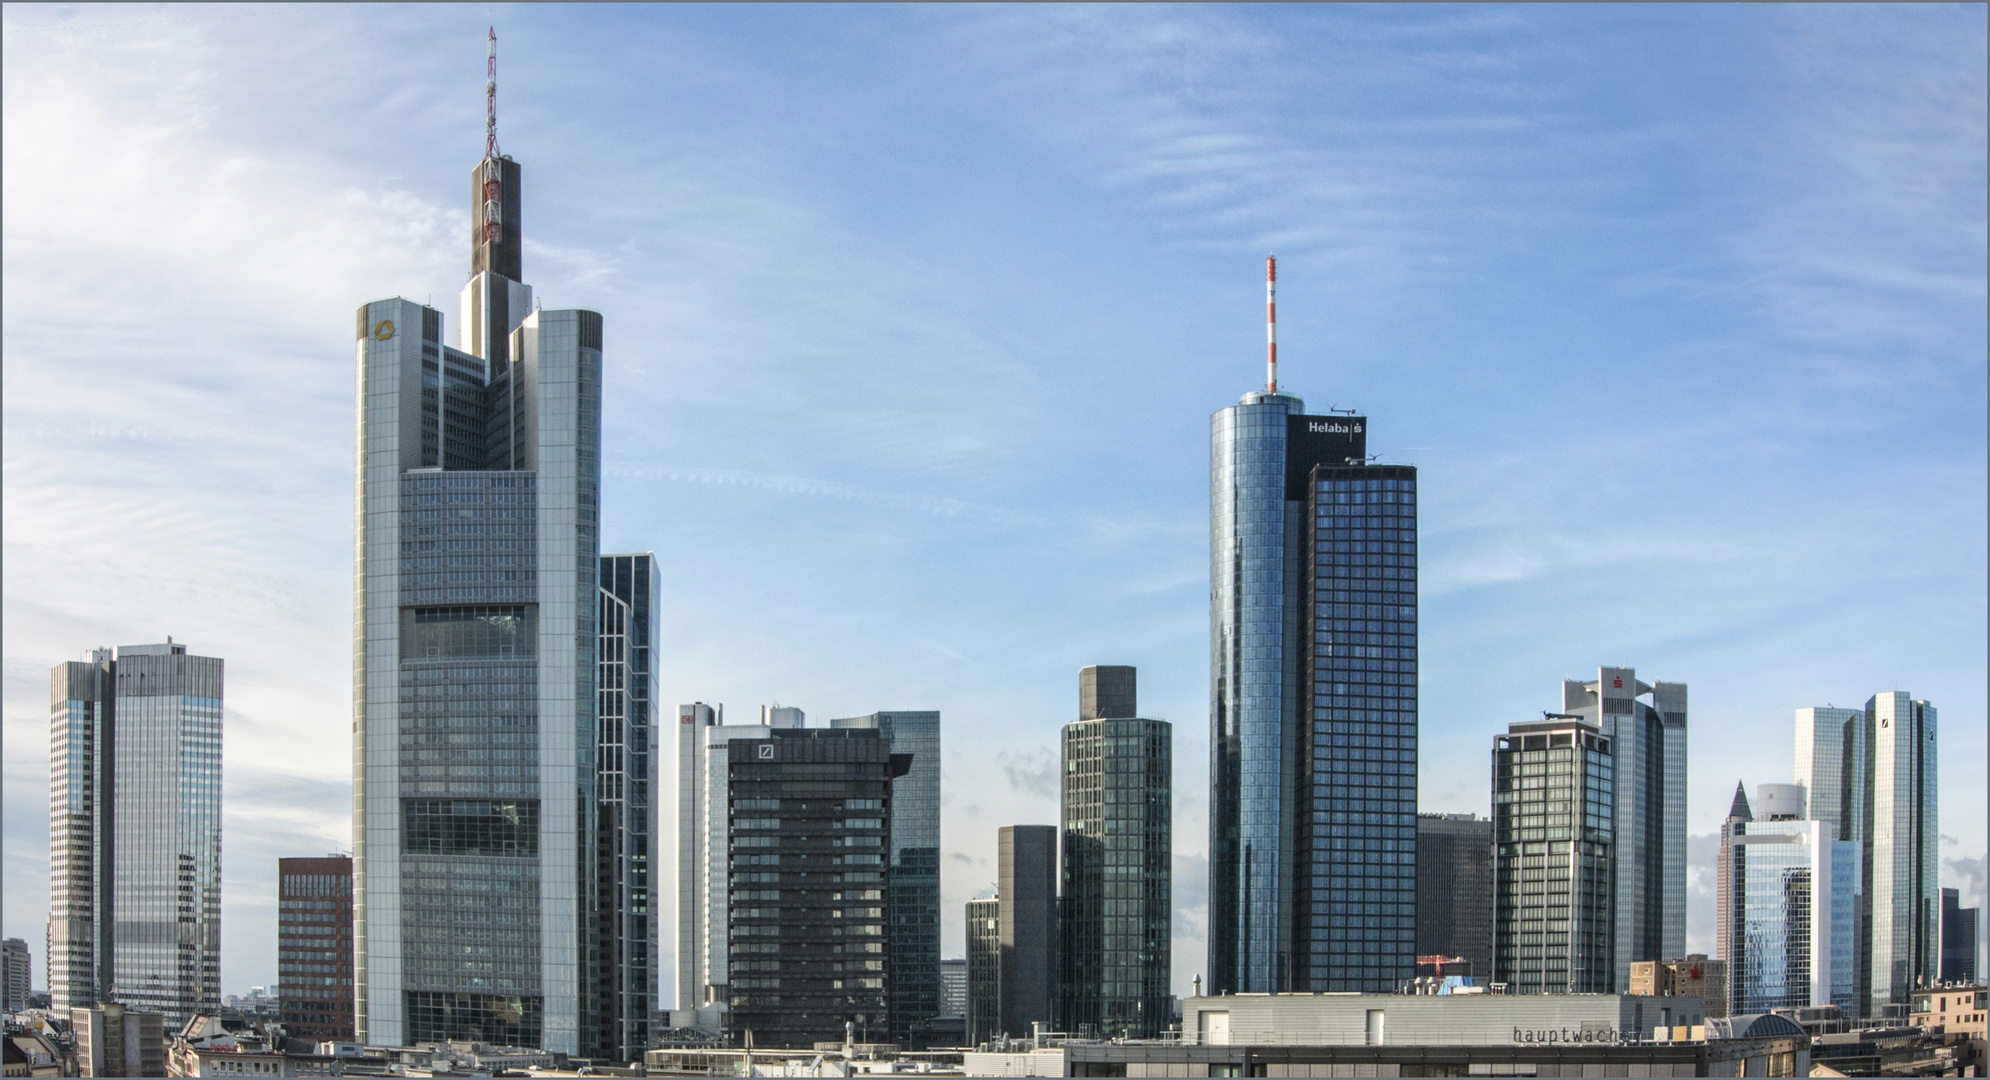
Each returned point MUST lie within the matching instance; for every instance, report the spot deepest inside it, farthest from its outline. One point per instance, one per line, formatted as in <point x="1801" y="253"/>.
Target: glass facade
<point x="1847" y="901"/>
<point x="1774" y="909"/>
<point x="1357" y="826"/>
<point x="1313" y="704"/>
<point x="476" y="632"/>
<point x="624" y="782"/>
<point x="1903" y="891"/>
<point x="913" y="877"/>
<point x="135" y="843"/>
<point x="1454" y="889"/>
<point x="810" y="825"/>
<point x="1554" y="863"/>
<point x="1116" y="914"/>
<point x="314" y="947"/>
<point x="984" y="970"/>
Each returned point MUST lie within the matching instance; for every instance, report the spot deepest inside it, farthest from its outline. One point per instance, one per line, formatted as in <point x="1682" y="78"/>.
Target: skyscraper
<point x="703" y="811"/>
<point x="1959" y="937"/>
<point x="810" y="825"/>
<point x="1649" y="744"/>
<point x="624" y="780"/>
<point x="1871" y="773"/>
<point x="16" y="975"/>
<point x="913" y="876"/>
<point x="1116" y="917"/>
<point x="1773" y="902"/>
<point x="1027" y="934"/>
<point x="1554" y="859"/>
<point x="1834" y="767"/>
<point x="314" y="947"/>
<point x="1454" y="889"/>
<point x="1313" y="709"/>
<point x="474" y="661"/>
<point x="984" y="969"/>
<point x="1902" y="886"/>
<point x="135" y="831"/>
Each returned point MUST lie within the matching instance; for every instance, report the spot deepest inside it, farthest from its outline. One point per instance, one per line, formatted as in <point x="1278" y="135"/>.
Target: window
<point x="470" y="827"/>
<point x="475" y="632"/>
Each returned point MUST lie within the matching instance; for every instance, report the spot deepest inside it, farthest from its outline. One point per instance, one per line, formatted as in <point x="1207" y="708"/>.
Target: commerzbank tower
<point x="1313" y="699"/>
<point x="476" y="600"/>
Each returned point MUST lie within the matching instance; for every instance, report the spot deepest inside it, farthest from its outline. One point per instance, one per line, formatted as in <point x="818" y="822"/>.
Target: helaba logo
<point x="1332" y="427"/>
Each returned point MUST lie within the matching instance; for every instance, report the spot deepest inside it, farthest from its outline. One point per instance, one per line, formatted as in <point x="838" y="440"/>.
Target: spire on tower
<point x="490" y="101"/>
<point x="1271" y="323"/>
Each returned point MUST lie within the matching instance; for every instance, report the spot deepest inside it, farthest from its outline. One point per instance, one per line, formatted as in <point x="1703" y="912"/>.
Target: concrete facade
<point x="1447" y="1020"/>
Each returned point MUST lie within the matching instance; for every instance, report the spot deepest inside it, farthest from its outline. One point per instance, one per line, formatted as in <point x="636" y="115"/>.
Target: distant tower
<point x="625" y="761"/>
<point x="16" y="975"/>
<point x="314" y="947"/>
<point x="914" y="874"/>
<point x="1028" y="928"/>
<point x="984" y="969"/>
<point x="1649" y="740"/>
<point x="1454" y="893"/>
<point x="1554" y="857"/>
<point x="135" y="904"/>
<point x="1116" y="917"/>
<point x="474" y="663"/>
<point x="1773" y="901"/>
<point x="1903" y="883"/>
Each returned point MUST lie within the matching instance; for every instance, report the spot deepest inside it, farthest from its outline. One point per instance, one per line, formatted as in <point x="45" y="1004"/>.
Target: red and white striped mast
<point x="493" y="186"/>
<point x="1271" y="324"/>
<point x="490" y="98"/>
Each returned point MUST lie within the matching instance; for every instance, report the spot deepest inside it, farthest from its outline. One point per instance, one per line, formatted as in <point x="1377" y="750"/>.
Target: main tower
<point x="478" y="476"/>
<point x="1313" y="713"/>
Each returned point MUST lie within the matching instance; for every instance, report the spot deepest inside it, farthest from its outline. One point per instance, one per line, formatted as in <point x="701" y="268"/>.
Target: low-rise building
<point x="1435" y="1020"/>
<point x="114" y="1041"/>
<point x="1694" y="976"/>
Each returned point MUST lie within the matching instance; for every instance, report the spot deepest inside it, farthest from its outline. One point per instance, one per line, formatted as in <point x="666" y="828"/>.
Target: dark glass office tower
<point x="1554" y="858"/>
<point x="984" y="969"/>
<point x="913" y="877"/>
<point x="1027" y="974"/>
<point x="1454" y="889"/>
<point x="1958" y="939"/>
<point x="624" y="783"/>
<point x="808" y="830"/>
<point x="1313" y="720"/>
<point x="1116" y="916"/>
<point x="474" y="658"/>
<point x="314" y="947"/>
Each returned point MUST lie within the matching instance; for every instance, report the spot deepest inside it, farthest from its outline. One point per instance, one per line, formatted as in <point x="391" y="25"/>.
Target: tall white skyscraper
<point x="474" y="661"/>
<point x="135" y="831"/>
<point x="1649" y="743"/>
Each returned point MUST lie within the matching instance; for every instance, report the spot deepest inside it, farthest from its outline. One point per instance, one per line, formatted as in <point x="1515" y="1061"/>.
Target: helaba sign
<point x="1566" y="1035"/>
<point x="1333" y="427"/>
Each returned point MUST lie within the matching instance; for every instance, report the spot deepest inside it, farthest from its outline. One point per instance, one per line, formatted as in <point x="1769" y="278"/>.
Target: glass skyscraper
<point x="624" y="782"/>
<point x="474" y="659"/>
<point x="1902" y="855"/>
<point x="1648" y="740"/>
<point x="913" y="877"/>
<point x="1871" y="773"/>
<point x="135" y="831"/>
<point x="1554" y="857"/>
<point x="809" y="827"/>
<point x="1313" y="708"/>
<point x="1773" y="898"/>
<point x="1116" y="915"/>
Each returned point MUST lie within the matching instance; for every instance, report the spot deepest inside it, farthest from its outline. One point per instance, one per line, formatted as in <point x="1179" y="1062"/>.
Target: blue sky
<point x="915" y="320"/>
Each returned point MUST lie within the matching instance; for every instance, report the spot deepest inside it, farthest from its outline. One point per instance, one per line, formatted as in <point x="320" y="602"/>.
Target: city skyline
<point x="964" y="426"/>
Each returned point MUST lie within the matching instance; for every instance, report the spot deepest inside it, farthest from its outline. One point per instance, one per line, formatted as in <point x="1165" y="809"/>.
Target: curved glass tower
<point x="1312" y="704"/>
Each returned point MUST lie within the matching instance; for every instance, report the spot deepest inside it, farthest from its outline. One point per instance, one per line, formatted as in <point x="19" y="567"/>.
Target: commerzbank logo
<point x="1332" y="427"/>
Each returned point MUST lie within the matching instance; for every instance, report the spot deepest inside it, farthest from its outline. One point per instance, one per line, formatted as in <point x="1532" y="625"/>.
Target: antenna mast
<point x="1270" y="320"/>
<point x="490" y="95"/>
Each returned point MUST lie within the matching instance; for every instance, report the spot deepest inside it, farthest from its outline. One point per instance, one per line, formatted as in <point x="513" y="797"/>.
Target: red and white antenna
<point x="490" y="95"/>
<point x="1271" y="323"/>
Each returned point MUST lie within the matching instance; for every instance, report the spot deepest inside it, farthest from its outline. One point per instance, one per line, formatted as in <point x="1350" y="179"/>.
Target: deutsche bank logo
<point x="766" y="751"/>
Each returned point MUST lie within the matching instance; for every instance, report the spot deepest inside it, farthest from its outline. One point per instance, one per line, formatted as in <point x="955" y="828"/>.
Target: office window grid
<point x="1116" y="912"/>
<point x="1553" y="870"/>
<point x="1356" y="844"/>
<point x="1769" y="956"/>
